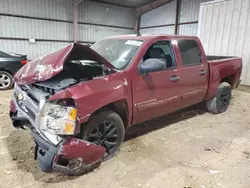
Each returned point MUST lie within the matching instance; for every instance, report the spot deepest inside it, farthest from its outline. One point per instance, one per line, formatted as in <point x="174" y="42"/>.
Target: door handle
<point x="174" y="78"/>
<point x="203" y="72"/>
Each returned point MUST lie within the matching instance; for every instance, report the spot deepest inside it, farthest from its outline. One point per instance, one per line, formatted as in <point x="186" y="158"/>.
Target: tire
<point x="94" y="132"/>
<point x="221" y="101"/>
<point x="6" y="80"/>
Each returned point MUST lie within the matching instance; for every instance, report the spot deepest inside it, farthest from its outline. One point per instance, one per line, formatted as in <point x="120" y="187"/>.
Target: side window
<point x="190" y="52"/>
<point x="162" y="50"/>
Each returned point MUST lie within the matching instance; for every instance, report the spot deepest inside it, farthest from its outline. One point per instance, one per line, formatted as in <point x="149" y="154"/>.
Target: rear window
<point x="190" y="52"/>
<point x="2" y="54"/>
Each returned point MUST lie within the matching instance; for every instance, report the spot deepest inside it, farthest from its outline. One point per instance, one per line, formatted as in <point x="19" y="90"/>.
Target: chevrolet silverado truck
<point x="78" y="101"/>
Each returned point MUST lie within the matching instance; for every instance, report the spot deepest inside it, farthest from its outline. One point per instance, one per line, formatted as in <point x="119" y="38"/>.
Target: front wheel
<point x="107" y="130"/>
<point x="221" y="101"/>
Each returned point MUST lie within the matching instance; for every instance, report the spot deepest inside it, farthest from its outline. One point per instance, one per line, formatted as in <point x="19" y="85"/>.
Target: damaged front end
<point x="54" y="129"/>
<point x="54" y="124"/>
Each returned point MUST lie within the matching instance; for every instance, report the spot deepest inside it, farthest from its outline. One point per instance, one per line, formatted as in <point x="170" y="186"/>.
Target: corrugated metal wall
<point x="50" y="22"/>
<point x="188" y="29"/>
<point x="33" y="50"/>
<point x="224" y="29"/>
<point x="161" y="16"/>
<point x="15" y="27"/>
<point x="55" y="9"/>
<point x="189" y="16"/>
<point x="158" y="30"/>
<point x="100" y="13"/>
<point x="98" y="20"/>
<point x="21" y="20"/>
<point x="162" y="19"/>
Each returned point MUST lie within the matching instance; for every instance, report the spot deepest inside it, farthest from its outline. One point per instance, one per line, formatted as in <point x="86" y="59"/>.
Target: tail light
<point x="23" y="62"/>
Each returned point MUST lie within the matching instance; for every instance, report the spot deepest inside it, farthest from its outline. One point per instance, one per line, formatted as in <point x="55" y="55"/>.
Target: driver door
<point x="156" y="93"/>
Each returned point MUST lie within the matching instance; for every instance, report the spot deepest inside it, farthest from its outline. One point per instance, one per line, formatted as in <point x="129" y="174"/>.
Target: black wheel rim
<point x="106" y="134"/>
<point x="225" y="99"/>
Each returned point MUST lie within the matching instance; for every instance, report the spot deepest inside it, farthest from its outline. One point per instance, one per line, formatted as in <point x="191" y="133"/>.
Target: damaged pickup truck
<point x="78" y="101"/>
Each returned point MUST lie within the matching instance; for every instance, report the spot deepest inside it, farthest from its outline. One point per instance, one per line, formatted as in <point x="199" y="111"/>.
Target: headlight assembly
<point x="57" y="119"/>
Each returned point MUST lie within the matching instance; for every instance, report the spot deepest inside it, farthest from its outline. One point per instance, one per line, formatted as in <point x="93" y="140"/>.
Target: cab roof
<point x="151" y="37"/>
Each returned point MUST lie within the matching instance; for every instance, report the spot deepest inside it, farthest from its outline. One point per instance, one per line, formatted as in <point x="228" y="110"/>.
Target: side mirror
<point x="152" y="65"/>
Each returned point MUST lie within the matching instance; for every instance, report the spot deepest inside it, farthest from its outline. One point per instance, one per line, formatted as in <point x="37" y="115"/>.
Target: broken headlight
<point x="57" y="119"/>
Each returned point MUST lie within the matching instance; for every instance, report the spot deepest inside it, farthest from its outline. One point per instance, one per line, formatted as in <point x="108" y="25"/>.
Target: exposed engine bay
<point x="74" y="71"/>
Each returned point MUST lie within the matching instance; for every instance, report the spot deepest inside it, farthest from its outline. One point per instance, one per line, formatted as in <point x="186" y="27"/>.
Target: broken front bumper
<point x="66" y="155"/>
<point x="71" y="156"/>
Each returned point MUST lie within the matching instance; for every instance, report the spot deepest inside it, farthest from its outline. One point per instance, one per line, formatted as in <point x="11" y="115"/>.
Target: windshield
<point x="118" y="52"/>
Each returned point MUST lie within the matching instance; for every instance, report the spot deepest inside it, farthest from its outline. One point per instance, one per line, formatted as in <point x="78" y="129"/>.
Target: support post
<point x="75" y="18"/>
<point x="137" y="23"/>
<point x="177" y="17"/>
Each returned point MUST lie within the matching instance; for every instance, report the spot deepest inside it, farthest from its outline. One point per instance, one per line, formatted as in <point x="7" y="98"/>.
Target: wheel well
<point x="229" y="79"/>
<point x="120" y="107"/>
<point x="6" y="71"/>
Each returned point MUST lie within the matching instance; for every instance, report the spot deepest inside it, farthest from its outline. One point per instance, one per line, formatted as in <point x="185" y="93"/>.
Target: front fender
<point x="95" y="94"/>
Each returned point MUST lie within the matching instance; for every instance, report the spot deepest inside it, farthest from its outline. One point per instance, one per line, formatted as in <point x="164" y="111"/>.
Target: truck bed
<point x="221" y="67"/>
<point x="213" y="57"/>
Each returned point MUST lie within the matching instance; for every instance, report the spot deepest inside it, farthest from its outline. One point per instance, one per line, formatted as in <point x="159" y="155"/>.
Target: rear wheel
<point x="221" y="101"/>
<point x="105" y="129"/>
<point x="6" y="80"/>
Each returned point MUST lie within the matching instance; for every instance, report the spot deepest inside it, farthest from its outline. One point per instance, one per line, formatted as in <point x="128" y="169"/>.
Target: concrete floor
<point x="191" y="148"/>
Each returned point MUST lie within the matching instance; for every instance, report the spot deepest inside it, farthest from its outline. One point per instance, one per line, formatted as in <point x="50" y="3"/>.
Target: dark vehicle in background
<point x="9" y="65"/>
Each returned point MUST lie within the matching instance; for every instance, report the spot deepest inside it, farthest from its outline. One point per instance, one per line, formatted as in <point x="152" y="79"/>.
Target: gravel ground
<point x="188" y="149"/>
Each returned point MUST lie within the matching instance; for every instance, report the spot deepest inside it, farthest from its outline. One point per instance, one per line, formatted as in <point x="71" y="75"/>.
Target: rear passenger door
<point x="193" y="72"/>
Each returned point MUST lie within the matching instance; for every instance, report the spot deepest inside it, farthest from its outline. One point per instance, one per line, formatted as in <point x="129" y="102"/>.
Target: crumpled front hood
<point x="48" y="66"/>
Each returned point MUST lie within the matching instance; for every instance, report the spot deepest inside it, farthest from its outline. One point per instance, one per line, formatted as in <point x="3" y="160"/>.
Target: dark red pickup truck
<point x="78" y="101"/>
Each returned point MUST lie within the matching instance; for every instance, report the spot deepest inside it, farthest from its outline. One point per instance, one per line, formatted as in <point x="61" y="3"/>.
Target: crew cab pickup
<point x="78" y="101"/>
